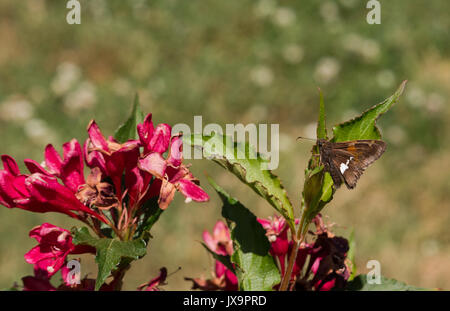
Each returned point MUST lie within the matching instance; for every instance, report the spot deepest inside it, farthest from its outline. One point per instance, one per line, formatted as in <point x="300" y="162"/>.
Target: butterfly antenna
<point x="179" y="268"/>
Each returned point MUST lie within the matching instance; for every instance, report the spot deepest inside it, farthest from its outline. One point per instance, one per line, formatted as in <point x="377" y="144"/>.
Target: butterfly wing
<point x="350" y="159"/>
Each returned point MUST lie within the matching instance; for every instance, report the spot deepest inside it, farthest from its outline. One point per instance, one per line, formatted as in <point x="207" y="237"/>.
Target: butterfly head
<point x="321" y="142"/>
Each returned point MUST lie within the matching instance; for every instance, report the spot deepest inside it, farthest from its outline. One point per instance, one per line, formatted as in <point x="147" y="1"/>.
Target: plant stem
<point x="298" y="239"/>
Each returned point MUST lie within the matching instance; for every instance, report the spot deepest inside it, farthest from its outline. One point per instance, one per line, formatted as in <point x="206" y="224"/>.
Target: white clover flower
<point x="67" y="74"/>
<point x="327" y="69"/>
<point x="370" y="49"/>
<point x="265" y="8"/>
<point x="38" y="131"/>
<point x="261" y="76"/>
<point x="293" y="53"/>
<point x="351" y="42"/>
<point x="83" y="97"/>
<point x="366" y="48"/>
<point x="385" y="78"/>
<point x="415" y="96"/>
<point x="16" y="109"/>
<point x="284" y="17"/>
<point x="329" y="12"/>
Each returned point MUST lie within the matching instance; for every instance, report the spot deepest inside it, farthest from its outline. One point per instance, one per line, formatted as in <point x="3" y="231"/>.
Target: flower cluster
<point x="320" y="265"/>
<point x="122" y="178"/>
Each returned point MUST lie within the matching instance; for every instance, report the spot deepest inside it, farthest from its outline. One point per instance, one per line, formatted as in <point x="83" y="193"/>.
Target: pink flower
<point x="172" y="174"/>
<point x="54" y="244"/>
<point x="154" y="140"/>
<point x="229" y="281"/>
<point x="220" y="241"/>
<point x="121" y="179"/>
<point x="110" y="156"/>
<point x="40" y="191"/>
<point x="153" y="284"/>
<point x="223" y="279"/>
<point x="277" y="233"/>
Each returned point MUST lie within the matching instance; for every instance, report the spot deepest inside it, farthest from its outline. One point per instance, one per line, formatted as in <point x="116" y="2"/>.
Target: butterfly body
<point x="347" y="160"/>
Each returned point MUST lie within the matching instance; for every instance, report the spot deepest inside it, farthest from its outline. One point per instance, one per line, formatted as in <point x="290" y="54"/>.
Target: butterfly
<point x="347" y="160"/>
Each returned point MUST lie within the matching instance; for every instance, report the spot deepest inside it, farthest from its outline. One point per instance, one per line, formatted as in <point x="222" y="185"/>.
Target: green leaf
<point x="360" y="283"/>
<point x="364" y="126"/>
<point x="109" y="252"/>
<point x="317" y="192"/>
<point x="321" y="124"/>
<point x="248" y="166"/>
<point x="128" y="130"/>
<point x="255" y="267"/>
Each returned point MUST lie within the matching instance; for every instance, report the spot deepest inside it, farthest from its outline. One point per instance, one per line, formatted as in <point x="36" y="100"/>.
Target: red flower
<point x="55" y="243"/>
<point x="40" y="191"/>
<point x="220" y="241"/>
<point x="277" y="233"/>
<point x="153" y="284"/>
<point x="170" y="171"/>
<point x="154" y="140"/>
<point x="110" y="156"/>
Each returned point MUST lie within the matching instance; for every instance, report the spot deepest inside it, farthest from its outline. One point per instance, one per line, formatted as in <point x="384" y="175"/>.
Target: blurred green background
<point x="241" y="61"/>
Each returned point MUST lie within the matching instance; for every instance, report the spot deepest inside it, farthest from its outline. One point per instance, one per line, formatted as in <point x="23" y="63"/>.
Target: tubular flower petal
<point x="50" y="254"/>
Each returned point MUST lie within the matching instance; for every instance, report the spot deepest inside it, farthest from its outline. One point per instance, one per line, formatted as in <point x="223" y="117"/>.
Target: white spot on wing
<point x="344" y="167"/>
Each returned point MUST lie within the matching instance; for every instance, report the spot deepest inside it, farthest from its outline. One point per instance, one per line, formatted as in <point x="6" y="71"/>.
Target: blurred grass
<point x="241" y="61"/>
